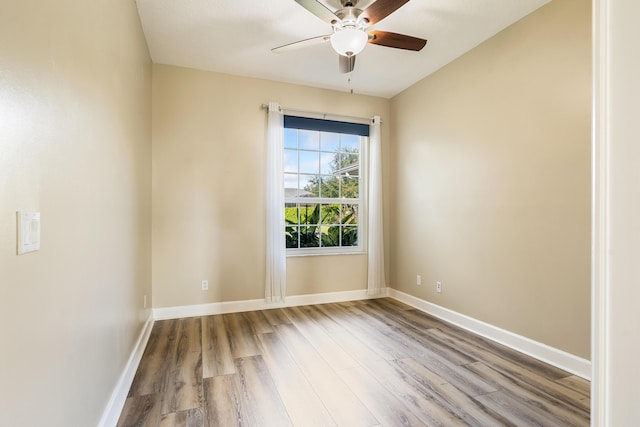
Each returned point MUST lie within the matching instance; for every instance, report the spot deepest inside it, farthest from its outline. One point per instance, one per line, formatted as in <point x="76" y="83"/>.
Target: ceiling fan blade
<point x="346" y="63"/>
<point x="301" y="43"/>
<point x="380" y="9"/>
<point x="399" y="41"/>
<point x="319" y="10"/>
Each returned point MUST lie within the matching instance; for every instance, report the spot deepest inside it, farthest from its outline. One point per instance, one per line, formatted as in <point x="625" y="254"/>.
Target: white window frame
<point x="360" y="248"/>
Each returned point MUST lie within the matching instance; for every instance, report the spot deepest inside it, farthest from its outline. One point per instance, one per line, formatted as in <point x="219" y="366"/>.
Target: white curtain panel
<point x="375" y="269"/>
<point x="276" y="271"/>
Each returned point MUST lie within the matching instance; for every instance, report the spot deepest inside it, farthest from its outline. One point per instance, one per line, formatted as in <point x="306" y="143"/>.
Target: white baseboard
<point x="118" y="397"/>
<point x="561" y="359"/>
<point x="260" y="304"/>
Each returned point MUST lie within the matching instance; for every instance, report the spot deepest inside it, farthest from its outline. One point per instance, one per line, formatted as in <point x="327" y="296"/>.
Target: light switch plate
<point x="28" y="232"/>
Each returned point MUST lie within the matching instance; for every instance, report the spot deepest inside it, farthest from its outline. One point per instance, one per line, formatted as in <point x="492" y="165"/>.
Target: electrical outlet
<point x="438" y="287"/>
<point x="144" y="302"/>
<point x="205" y="285"/>
<point x="418" y="280"/>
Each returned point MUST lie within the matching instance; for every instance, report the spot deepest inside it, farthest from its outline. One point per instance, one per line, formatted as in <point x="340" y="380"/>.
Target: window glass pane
<point x="329" y="141"/>
<point x="330" y="187"/>
<point x="349" y="235"/>
<point x="290" y="185"/>
<point x="349" y="143"/>
<point x="309" y="214"/>
<point x="349" y="187"/>
<point x="309" y="236"/>
<point x="309" y="139"/>
<point x="330" y="214"/>
<point x="349" y="214"/>
<point x="309" y="186"/>
<point x="290" y="138"/>
<point x="310" y="162"/>
<point x="327" y="163"/>
<point x="291" y="161"/>
<point x="291" y="237"/>
<point x="331" y="236"/>
<point x="349" y="164"/>
<point x="291" y="213"/>
<point x="346" y="164"/>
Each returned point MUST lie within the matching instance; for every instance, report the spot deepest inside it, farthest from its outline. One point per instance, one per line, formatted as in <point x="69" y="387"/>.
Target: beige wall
<point x="75" y="133"/>
<point x="492" y="178"/>
<point x="208" y="187"/>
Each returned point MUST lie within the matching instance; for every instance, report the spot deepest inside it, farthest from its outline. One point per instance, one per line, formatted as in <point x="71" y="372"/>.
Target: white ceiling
<point x="236" y="37"/>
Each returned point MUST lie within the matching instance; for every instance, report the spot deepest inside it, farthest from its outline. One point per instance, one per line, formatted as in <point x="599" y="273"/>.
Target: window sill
<point x="308" y="254"/>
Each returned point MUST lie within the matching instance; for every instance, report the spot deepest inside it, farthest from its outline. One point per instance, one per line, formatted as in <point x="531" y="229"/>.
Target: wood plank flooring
<point x="362" y="363"/>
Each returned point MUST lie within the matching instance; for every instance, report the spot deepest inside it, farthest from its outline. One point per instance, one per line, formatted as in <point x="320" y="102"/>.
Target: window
<point x="323" y="168"/>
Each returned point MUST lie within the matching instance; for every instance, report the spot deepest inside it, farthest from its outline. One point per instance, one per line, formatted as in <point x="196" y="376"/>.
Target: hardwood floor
<point x="362" y="363"/>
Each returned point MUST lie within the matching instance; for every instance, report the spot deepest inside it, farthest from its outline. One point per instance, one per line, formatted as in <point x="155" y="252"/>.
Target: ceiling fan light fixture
<point x="349" y="41"/>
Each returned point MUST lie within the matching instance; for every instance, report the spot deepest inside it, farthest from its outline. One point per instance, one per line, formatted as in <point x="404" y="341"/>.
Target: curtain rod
<point x="318" y="113"/>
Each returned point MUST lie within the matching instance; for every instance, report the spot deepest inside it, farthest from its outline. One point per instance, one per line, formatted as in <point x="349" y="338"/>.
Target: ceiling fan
<point x="350" y="30"/>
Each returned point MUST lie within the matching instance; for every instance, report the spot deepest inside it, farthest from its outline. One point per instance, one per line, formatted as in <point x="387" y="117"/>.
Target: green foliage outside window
<point x="321" y="225"/>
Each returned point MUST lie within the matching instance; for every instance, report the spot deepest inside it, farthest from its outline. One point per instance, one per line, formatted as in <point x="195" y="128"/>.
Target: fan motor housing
<point x="350" y="18"/>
